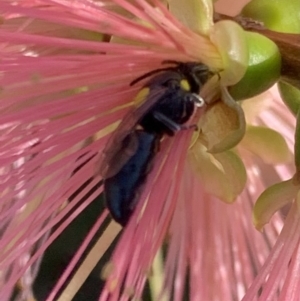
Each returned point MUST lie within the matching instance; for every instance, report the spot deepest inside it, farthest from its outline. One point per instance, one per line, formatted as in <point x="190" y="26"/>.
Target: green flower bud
<point x="263" y="67"/>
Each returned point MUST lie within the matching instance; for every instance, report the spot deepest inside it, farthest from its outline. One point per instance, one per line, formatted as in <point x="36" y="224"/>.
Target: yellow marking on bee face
<point x="141" y="96"/>
<point x="184" y="84"/>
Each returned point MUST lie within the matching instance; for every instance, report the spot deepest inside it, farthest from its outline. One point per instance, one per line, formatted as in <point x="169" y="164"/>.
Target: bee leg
<point x="198" y="100"/>
<point x="172" y="126"/>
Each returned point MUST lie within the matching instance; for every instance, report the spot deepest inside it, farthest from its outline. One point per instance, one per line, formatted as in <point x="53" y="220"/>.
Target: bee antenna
<point x="171" y="62"/>
<point x="149" y="74"/>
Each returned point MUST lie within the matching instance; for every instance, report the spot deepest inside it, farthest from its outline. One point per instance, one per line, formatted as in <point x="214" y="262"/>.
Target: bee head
<point x="196" y="73"/>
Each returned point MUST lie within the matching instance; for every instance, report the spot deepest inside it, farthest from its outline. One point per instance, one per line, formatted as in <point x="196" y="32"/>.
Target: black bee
<point x="170" y="99"/>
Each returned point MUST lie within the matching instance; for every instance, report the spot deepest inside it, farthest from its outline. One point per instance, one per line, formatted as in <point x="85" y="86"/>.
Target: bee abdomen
<point x="121" y="190"/>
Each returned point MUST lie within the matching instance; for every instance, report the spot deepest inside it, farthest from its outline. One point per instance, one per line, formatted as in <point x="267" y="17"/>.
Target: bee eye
<point x="173" y="84"/>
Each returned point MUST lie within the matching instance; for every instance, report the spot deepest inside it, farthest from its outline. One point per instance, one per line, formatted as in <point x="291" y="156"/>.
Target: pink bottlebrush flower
<point x="66" y="69"/>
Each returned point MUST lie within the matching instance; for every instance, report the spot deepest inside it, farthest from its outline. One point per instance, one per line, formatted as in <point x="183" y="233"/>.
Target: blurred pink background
<point x="230" y="7"/>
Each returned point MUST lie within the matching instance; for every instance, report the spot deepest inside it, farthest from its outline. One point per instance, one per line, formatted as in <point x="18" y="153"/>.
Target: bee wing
<point x="122" y="144"/>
